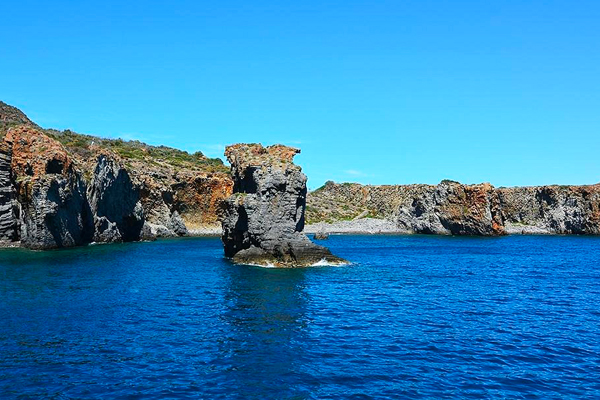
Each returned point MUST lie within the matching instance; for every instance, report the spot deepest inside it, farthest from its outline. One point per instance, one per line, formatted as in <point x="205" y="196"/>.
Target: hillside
<point x="456" y="209"/>
<point x="61" y="188"/>
<point x="177" y="191"/>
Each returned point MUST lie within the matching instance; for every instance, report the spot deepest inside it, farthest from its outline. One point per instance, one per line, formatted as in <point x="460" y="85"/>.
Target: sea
<point x="411" y="317"/>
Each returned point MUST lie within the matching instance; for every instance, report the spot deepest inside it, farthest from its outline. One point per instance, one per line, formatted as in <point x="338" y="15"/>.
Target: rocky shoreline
<point x="370" y="226"/>
<point x="451" y="208"/>
<point x="62" y="189"/>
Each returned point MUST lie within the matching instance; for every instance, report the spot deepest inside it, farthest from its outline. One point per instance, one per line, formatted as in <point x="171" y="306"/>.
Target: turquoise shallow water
<point x="413" y="317"/>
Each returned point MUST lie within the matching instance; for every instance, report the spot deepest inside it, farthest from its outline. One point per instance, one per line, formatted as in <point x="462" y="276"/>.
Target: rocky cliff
<point x="8" y="204"/>
<point x="452" y="208"/>
<point x="551" y="209"/>
<point x="61" y="189"/>
<point x="115" y="203"/>
<point x="264" y="218"/>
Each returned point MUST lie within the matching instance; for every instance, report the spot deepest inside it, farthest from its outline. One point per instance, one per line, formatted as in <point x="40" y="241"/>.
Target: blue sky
<point x="378" y="92"/>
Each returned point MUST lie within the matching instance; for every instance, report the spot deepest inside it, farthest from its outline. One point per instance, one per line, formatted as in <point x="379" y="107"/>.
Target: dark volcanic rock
<point x="9" y="210"/>
<point x="451" y="208"/>
<point x="457" y="209"/>
<point x="551" y="209"/>
<point x="264" y="218"/>
<point x="52" y="194"/>
<point x="115" y="203"/>
<point x="55" y="213"/>
<point x="162" y="219"/>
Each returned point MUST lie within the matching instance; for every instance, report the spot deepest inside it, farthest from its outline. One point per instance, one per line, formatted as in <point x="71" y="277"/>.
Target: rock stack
<point x="264" y="218"/>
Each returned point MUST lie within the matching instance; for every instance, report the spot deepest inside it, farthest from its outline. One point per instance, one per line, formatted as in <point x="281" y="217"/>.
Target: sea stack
<point x="264" y="217"/>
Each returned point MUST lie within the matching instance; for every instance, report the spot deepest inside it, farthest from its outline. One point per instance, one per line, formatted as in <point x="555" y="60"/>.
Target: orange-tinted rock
<point x="264" y="218"/>
<point x="457" y="209"/>
<point x="199" y="198"/>
<point x="34" y="154"/>
<point x="51" y="192"/>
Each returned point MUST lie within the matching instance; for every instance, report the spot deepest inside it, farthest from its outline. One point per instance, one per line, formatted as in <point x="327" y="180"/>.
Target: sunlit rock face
<point x="264" y="218"/>
<point x="61" y="189"/>
<point x="9" y="209"/>
<point x="451" y="208"/>
<point x="51" y="192"/>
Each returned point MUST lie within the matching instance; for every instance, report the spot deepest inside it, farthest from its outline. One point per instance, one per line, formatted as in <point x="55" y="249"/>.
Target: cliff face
<point x="264" y="218"/>
<point x="456" y="209"/>
<point x="8" y="204"/>
<point x="179" y="192"/>
<point x="51" y="193"/>
<point x="551" y="209"/>
<point x="115" y="203"/>
<point x="61" y="189"/>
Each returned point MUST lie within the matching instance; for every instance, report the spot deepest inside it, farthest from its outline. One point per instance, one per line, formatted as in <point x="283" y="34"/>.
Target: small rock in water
<point x="321" y="236"/>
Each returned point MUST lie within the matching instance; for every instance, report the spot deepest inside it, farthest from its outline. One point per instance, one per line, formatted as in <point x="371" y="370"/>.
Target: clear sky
<point x="398" y="92"/>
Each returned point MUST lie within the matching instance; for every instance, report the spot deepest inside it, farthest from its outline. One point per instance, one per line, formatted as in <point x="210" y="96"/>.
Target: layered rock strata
<point x="51" y="193"/>
<point x="9" y="209"/>
<point x="264" y="218"/>
<point x="115" y="203"/>
<point x="46" y="201"/>
<point x="451" y="208"/>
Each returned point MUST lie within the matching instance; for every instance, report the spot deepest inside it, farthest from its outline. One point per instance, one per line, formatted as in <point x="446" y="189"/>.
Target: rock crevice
<point x="45" y="201"/>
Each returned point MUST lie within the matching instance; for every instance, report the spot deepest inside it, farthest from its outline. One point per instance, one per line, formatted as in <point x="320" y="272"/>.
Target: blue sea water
<point x="412" y="317"/>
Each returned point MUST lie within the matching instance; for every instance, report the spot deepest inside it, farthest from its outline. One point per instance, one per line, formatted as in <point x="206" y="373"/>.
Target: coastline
<point x="364" y="226"/>
<point x="368" y="226"/>
<point x="209" y="230"/>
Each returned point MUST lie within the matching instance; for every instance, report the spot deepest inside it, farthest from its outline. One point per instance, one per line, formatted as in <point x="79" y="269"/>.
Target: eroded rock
<point x="115" y="202"/>
<point x="9" y="208"/>
<point x="452" y="208"/>
<point x="551" y="209"/>
<point x="264" y="218"/>
<point x="51" y="192"/>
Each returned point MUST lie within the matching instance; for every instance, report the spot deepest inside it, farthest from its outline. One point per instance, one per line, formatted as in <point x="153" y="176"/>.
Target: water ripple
<point x="411" y="317"/>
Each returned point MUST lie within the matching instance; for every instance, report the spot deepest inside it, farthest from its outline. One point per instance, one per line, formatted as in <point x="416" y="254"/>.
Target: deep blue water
<point x="413" y="317"/>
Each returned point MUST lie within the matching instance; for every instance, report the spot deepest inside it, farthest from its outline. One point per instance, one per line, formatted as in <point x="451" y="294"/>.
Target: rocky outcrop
<point x="451" y="208"/>
<point x="264" y="218"/>
<point x="551" y="209"/>
<point x="321" y="235"/>
<point x="60" y="188"/>
<point x="9" y="210"/>
<point x="50" y="191"/>
<point x="11" y="116"/>
<point x="115" y="203"/>
<point x="45" y="202"/>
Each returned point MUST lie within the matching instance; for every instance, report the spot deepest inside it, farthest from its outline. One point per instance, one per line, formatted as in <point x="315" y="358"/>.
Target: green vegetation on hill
<point x="11" y="116"/>
<point x="129" y="150"/>
<point x="334" y="202"/>
<point x="137" y="151"/>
